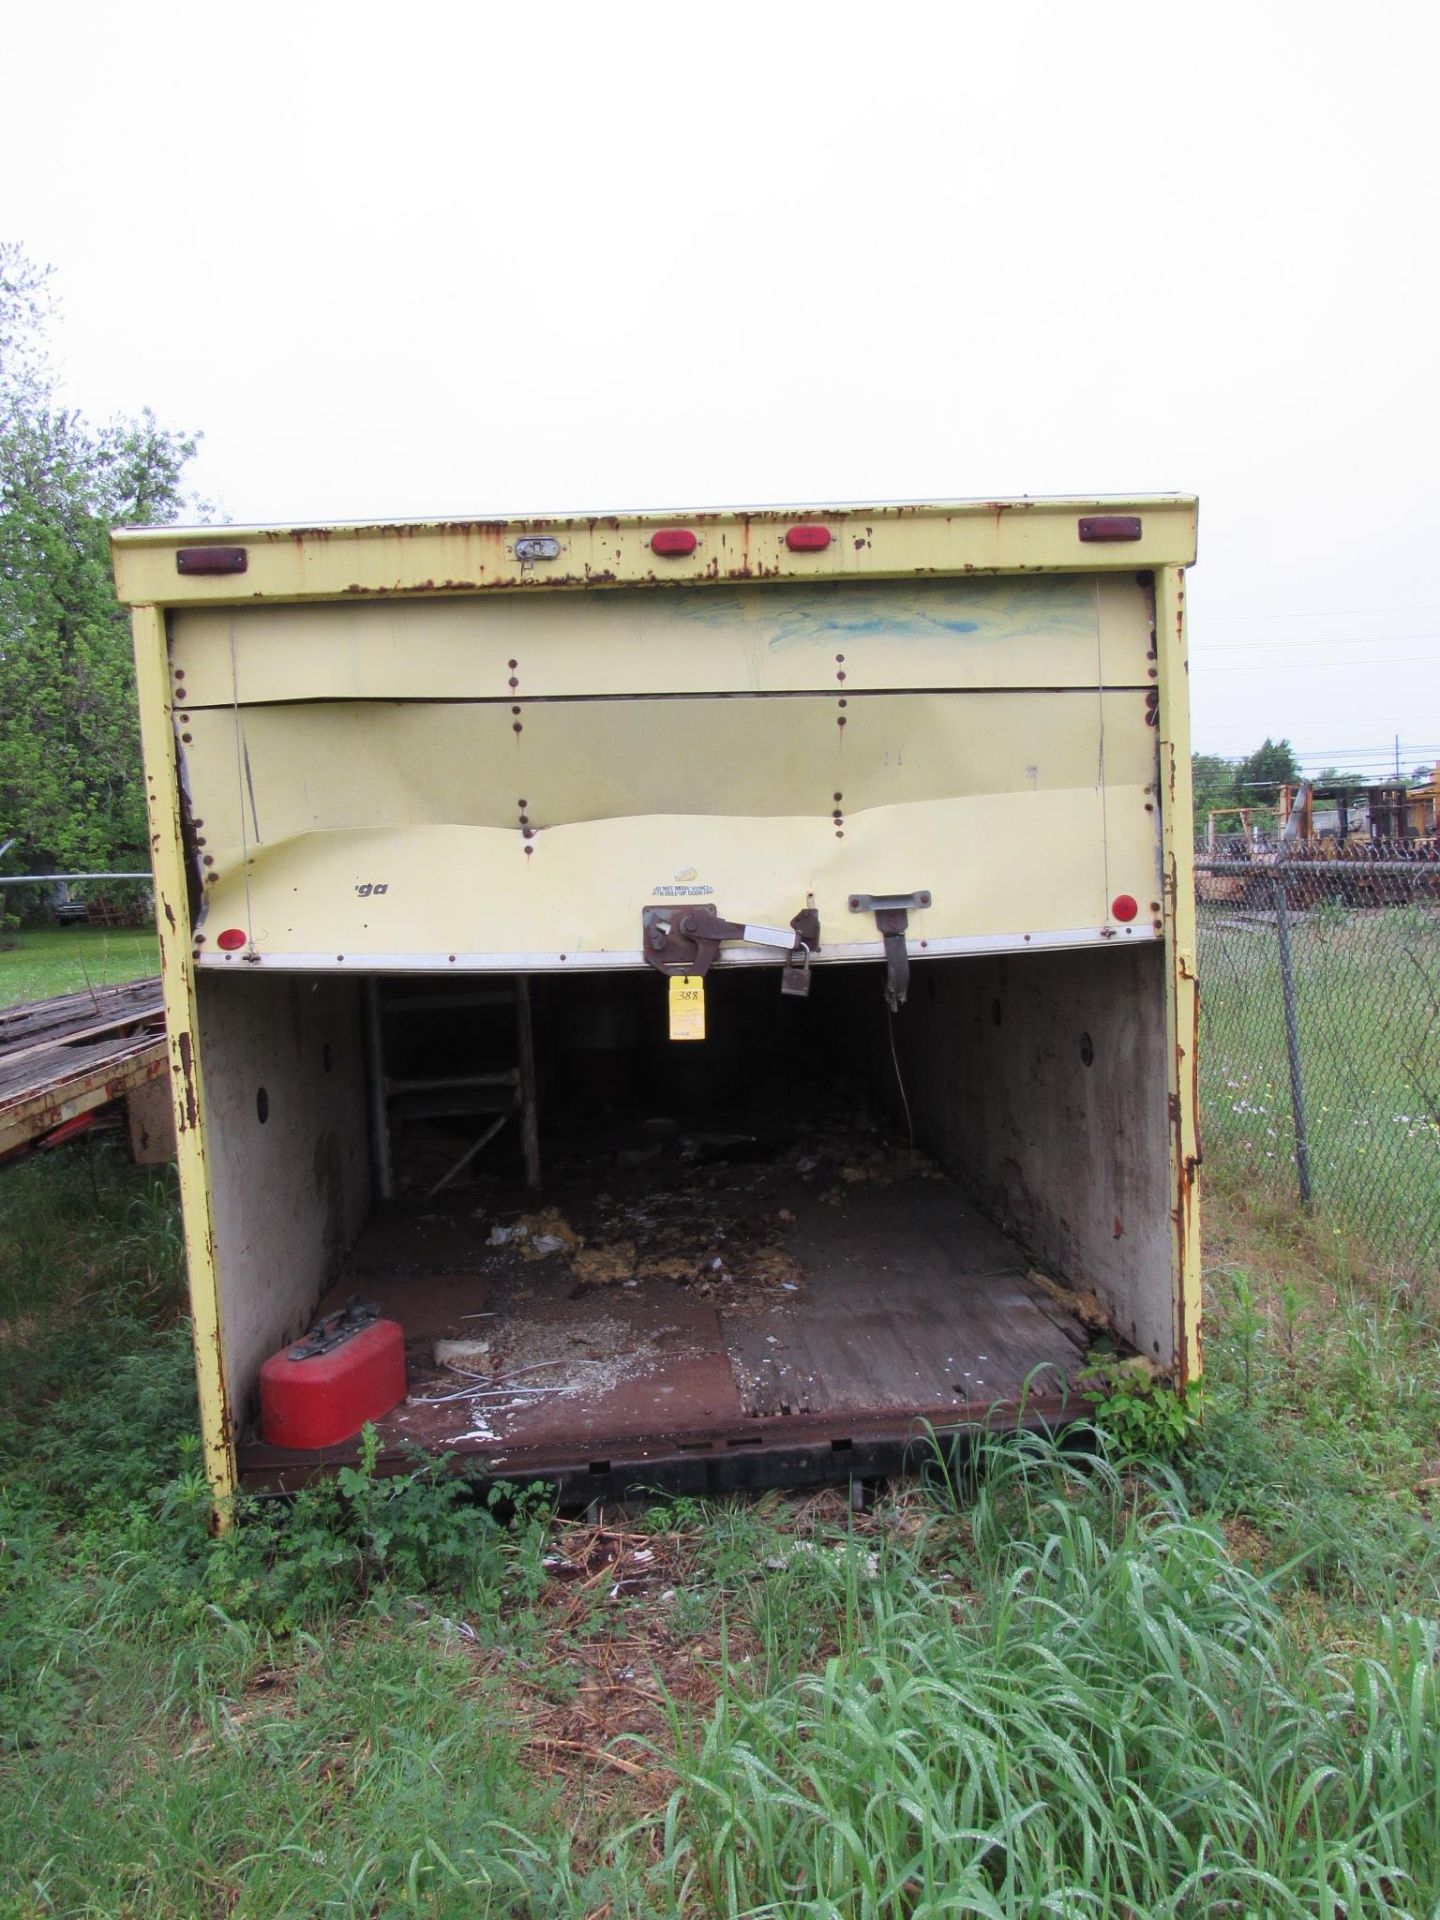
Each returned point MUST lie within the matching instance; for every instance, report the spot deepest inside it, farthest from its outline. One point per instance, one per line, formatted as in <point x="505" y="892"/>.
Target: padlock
<point x="795" y="977"/>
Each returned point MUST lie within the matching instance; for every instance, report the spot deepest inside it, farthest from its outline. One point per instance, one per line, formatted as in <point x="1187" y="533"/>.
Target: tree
<point x="1213" y="780"/>
<point x="70" y="786"/>
<point x="1260" y="776"/>
<point x="25" y="307"/>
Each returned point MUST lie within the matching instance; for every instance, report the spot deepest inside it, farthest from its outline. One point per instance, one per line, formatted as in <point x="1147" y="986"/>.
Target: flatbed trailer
<point x="66" y="1058"/>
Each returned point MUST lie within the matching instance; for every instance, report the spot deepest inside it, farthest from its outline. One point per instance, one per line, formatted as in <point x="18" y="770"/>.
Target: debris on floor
<point x="673" y="1287"/>
<point x="772" y="1267"/>
<point x="1085" y="1306"/>
<point x="533" y="1358"/>
<point x="465" y="1356"/>
<point x="605" y="1266"/>
<point x="536" y="1235"/>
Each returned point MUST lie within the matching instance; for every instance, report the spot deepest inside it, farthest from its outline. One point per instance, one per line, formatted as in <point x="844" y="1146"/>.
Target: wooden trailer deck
<point x="61" y="1059"/>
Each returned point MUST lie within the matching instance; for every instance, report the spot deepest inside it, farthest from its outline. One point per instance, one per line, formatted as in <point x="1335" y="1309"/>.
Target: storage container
<point x="740" y="965"/>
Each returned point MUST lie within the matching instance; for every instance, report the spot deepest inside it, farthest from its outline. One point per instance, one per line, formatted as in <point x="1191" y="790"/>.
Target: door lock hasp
<point x="686" y="940"/>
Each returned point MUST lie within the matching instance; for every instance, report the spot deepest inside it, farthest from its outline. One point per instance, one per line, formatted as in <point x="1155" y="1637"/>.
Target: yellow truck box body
<point x="489" y="748"/>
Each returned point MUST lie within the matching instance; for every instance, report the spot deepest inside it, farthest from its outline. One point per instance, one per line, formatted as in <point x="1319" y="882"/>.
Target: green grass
<point x="48" y="961"/>
<point x="1367" y="988"/>
<point x="1114" y="1720"/>
<point x="1052" y="1688"/>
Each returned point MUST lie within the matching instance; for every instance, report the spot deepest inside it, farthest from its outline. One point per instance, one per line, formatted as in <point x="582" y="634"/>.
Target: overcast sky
<point x="459" y="259"/>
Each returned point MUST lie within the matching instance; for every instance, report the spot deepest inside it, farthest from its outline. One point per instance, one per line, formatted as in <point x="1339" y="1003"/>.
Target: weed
<point x="1111" y="1724"/>
<point x="1141" y="1417"/>
<point x="292" y="1563"/>
<point x="1323" y="1404"/>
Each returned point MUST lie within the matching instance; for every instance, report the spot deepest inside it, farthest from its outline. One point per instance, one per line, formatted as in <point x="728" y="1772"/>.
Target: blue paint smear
<point x="995" y="611"/>
<point x="894" y="623"/>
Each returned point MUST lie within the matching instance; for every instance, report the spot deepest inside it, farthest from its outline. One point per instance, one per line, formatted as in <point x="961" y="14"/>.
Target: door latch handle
<point x="686" y="939"/>
<point x="892" y="916"/>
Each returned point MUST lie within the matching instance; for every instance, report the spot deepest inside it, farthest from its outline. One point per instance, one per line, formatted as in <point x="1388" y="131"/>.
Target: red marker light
<point x="211" y="560"/>
<point x="233" y="938"/>
<point x="1124" y="907"/>
<point x="673" y="541"/>
<point x="807" y="538"/>
<point x="1110" y="526"/>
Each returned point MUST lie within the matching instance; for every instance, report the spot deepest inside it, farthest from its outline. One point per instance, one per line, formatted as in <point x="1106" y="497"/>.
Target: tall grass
<point x="1323" y="1411"/>
<point x="1070" y="1720"/>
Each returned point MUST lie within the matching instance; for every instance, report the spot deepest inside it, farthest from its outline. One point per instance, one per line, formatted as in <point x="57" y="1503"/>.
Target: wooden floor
<point x="62" y="1058"/>
<point x="744" y="1304"/>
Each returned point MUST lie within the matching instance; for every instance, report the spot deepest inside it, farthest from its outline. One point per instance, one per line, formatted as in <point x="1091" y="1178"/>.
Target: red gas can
<point x="348" y="1369"/>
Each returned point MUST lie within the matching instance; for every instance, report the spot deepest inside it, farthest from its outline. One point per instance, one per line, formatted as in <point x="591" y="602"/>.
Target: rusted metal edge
<point x="831" y="1443"/>
<point x="781" y="517"/>
<point x="599" y="551"/>
<point x="172" y="920"/>
<point x="1181" y="1002"/>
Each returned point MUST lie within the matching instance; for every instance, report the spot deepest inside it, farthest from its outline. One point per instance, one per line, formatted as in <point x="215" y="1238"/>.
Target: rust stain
<point x="1186" y="1165"/>
<point x="185" y="1048"/>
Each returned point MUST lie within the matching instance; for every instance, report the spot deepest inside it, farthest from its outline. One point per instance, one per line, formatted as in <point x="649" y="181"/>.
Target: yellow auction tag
<point x="687" y="1006"/>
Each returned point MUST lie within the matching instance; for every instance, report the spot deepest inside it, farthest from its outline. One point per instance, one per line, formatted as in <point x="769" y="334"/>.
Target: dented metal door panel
<point x="823" y="636"/>
<point x="379" y="833"/>
<point x="963" y="736"/>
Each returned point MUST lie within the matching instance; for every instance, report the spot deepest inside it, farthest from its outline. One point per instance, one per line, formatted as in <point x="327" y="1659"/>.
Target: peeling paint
<point x="185" y="1055"/>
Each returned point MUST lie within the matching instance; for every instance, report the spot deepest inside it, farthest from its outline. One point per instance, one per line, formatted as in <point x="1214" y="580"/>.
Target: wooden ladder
<point x="503" y="1093"/>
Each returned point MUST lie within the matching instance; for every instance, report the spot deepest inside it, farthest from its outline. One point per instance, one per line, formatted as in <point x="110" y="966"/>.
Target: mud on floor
<point x="648" y="1209"/>
<point x="678" y="1284"/>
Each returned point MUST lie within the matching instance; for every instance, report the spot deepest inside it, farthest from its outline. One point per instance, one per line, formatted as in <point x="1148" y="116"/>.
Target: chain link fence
<point x="1320" y="1033"/>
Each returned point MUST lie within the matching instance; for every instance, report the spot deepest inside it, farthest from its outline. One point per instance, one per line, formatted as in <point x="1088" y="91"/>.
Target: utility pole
<point x="1397" y="759"/>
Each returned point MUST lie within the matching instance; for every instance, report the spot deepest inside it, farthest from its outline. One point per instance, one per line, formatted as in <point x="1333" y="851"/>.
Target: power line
<point x="1359" y="759"/>
<point x="1373" y="746"/>
<point x="1312" y="666"/>
<point x="1343" y="767"/>
<point x="1347" y="773"/>
<point x="1320" y="613"/>
<point x="1330" y="640"/>
<point x="1353" y="759"/>
<point x="1341" y="782"/>
<point x="1346" y="759"/>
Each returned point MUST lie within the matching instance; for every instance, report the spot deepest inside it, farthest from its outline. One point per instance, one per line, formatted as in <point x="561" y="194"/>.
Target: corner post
<point x="182" y="1027"/>
<point x="1177" y="856"/>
